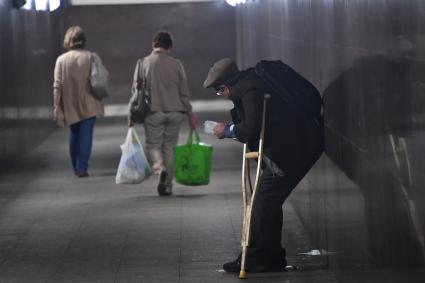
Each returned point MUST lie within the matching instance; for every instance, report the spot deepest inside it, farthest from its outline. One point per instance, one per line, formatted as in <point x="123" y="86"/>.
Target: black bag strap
<point x="141" y="78"/>
<point x="266" y="70"/>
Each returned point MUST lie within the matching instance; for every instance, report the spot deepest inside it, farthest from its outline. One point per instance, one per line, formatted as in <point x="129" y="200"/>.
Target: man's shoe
<point x="163" y="190"/>
<point x="235" y="266"/>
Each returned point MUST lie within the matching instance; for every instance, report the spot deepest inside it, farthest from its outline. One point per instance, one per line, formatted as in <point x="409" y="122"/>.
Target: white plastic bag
<point x="134" y="166"/>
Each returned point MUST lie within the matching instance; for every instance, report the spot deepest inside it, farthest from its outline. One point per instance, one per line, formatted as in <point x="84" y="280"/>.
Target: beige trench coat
<point x="71" y="88"/>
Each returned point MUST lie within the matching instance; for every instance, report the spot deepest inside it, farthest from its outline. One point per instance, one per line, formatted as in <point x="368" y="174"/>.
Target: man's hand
<point x="193" y="122"/>
<point x="219" y="130"/>
<point x="130" y="123"/>
<point x="58" y="116"/>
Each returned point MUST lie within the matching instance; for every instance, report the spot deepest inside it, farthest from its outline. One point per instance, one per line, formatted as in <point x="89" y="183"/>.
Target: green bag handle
<point x="189" y="138"/>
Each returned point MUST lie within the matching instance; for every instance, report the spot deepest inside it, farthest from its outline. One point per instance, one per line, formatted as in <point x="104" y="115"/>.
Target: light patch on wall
<point x="25" y="113"/>
<point x="235" y="2"/>
<point x="124" y="2"/>
<point x="27" y="6"/>
<point x="198" y="106"/>
<point x="54" y="4"/>
<point x="42" y="5"/>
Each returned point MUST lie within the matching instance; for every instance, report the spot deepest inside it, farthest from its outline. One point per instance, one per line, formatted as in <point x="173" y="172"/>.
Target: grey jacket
<point x="167" y="82"/>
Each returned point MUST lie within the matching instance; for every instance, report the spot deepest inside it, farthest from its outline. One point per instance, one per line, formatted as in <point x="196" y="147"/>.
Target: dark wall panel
<point x="365" y="199"/>
<point x="203" y="33"/>
<point x="29" y="45"/>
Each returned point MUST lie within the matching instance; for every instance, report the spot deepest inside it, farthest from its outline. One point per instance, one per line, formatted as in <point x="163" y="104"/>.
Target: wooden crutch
<point x="248" y="202"/>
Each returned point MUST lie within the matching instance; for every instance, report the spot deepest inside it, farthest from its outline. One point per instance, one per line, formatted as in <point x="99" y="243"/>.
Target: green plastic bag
<point x="192" y="162"/>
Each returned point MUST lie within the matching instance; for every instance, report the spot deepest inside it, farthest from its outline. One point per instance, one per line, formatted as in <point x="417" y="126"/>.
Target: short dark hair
<point x="74" y="38"/>
<point x="162" y="39"/>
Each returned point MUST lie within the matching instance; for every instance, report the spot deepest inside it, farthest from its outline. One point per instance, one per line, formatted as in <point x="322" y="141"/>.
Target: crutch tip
<point x="242" y="274"/>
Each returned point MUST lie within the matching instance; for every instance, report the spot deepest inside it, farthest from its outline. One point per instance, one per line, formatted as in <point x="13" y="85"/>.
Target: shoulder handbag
<point x="99" y="78"/>
<point x="140" y="101"/>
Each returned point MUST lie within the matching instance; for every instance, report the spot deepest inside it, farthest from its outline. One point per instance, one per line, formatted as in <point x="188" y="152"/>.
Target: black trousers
<point x="267" y="219"/>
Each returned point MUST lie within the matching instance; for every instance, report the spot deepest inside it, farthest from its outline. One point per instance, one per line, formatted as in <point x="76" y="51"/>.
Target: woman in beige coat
<point x="74" y="106"/>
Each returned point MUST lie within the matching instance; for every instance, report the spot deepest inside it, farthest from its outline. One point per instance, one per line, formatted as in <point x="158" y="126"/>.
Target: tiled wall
<point x="29" y="45"/>
<point x="30" y="42"/>
<point x="203" y="32"/>
<point x="365" y="199"/>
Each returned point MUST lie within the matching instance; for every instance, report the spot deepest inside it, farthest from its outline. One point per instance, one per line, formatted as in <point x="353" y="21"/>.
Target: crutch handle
<point x="251" y="155"/>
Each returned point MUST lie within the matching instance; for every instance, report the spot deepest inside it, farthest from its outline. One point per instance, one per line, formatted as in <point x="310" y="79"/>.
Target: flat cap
<point x="220" y="72"/>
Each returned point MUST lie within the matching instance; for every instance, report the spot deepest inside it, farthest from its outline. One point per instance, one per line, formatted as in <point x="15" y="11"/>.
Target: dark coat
<point x="294" y="144"/>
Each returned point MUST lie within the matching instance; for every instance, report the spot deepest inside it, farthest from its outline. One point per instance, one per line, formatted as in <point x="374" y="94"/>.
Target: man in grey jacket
<point x="166" y="80"/>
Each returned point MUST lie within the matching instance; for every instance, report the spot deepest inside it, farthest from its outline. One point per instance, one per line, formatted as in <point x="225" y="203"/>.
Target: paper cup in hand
<point x="209" y="127"/>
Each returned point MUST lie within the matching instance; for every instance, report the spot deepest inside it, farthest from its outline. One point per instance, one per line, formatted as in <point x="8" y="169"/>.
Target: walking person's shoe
<point x="82" y="174"/>
<point x="163" y="189"/>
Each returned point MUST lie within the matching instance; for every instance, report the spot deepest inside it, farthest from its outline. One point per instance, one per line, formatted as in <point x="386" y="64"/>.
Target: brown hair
<point x="162" y="39"/>
<point x="74" y="38"/>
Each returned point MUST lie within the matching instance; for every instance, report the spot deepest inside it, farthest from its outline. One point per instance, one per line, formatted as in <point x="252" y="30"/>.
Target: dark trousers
<point x="80" y="144"/>
<point x="267" y="218"/>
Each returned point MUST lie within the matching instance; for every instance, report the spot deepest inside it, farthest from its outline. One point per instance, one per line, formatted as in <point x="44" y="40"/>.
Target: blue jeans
<point x="80" y="143"/>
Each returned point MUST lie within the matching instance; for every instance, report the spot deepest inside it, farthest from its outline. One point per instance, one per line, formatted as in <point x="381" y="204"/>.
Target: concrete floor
<point x="55" y="227"/>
